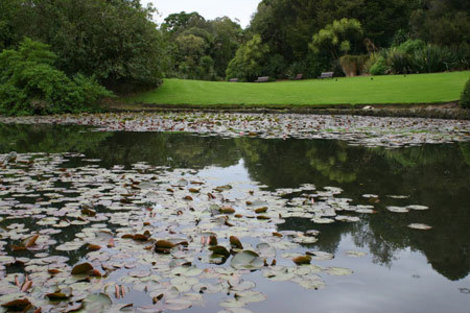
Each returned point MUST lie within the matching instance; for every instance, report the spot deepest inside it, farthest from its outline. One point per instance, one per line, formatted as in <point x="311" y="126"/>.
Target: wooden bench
<point x="299" y="77"/>
<point x="233" y="80"/>
<point x="326" y="75"/>
<point x="262" y="79"/>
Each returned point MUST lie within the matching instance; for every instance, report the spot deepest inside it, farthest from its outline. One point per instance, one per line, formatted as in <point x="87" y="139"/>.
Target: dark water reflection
<point x="437" y="176"/>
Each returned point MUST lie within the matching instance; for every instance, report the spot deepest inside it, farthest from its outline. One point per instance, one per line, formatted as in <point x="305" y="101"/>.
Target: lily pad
<point x="419" y="226"/>
<point x="247" y="259"/>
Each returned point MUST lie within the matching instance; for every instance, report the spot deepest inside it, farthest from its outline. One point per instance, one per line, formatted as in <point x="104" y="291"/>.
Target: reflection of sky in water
<point x="236" y="175"/>
<point x="407" y="284"/>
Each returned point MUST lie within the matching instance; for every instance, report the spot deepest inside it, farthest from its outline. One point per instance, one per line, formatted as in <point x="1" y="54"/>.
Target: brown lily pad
<point x="82" y="269"/>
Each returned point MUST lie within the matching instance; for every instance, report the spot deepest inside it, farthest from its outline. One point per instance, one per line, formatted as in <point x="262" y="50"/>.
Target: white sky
<point x="209" y="9"/>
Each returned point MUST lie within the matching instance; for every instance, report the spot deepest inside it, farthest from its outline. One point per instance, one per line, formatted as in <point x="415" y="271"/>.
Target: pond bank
<point x="450" y="110"/>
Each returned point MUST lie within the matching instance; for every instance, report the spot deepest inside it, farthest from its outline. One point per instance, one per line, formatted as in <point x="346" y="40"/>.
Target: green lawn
<point x="399" y="89"/>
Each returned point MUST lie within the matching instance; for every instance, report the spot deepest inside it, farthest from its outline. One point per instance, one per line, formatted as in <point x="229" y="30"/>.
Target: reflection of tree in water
<point x="290" y="163"/>
<point x="166" y="149"/>
<point x="46" y="138"/>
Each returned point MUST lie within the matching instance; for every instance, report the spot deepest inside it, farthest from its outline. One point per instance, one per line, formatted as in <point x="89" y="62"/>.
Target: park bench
<point x="299" y="76"/>
<point x="262" y="79"/>
<point x="326" y="75"/>
<point x="233" y="80"/>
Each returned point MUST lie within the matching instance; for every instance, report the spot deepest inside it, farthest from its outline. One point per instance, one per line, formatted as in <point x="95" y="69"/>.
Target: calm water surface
<point x="405" y="270"/>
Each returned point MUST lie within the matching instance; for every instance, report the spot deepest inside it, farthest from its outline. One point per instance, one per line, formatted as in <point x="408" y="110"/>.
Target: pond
<point x="192" y="222"/>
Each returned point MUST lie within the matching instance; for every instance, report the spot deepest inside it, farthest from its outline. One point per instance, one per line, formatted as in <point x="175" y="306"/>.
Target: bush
<point x="411" y="46"/>
<point x="380" y="67"/>
<point x="432" y="59"/>
<point x="465" y="99"/>
<point x="29" y="84"/>
<point x="400" y="62"/>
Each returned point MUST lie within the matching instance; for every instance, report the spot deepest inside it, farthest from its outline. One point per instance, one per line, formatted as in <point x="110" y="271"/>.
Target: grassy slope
<point x="424" y="88"/>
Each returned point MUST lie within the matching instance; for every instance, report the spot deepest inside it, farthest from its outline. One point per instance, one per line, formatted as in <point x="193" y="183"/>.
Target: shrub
<point x="411" y="46"/>
<point x="371" y="60"/>
<point x="432" y="59"/>
<point x="400" y="62"/>
<point x="380" y="67"/>
<point x="29" y="83"/>
<point x="465" y="99"/>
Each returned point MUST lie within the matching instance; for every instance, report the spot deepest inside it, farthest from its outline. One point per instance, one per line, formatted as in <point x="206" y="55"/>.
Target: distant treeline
<point x="115" y="44"/>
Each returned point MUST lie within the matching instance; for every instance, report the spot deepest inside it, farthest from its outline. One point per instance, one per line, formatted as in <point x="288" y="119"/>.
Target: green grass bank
<point x="391" y="89"/>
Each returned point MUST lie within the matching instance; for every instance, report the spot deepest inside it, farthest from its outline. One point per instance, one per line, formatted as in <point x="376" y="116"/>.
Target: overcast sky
<point x="210" y="9"/>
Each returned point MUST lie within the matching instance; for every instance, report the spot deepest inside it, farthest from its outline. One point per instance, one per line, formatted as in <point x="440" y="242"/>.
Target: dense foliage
<point x="249" y="60"/>
<point x="415" y="56"/>
<point x="113" y="40"/>
<point x="291" y="27"/>
<point x="201" y="49"/>
<point x="29" y="83"/>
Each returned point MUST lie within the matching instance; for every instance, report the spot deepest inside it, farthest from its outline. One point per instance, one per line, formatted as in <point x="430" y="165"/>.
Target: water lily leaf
<point x="338" y="271"/>
<point x="302" y="260"/>
<point x="31" y="241"/>
<point x="97" y="303"/>
<point x="220" y="250"/>
<point x="164" y="246"/>
<point x="227" y="210"/>
<point x="250" y="296"/>
<point x="397" y="209"/>
<point x="177" y="304"/>
<point x="320" y="220"/>
<point x="88" y="212"/>
<point x="81" y="269"/>
<point x="266" y="250"/>
<point x="261" y="210"/>
<point x="243" y="285"/>
<point x="247" y="259"/>
<point x="417" y="207"/>
<point x="419" y="226"/>
<point x="235" y="242"/>
<point x="348" y="219"/>
<point x="320" y="255"/>
<point x="92" y="247"/>
<point x="19" y="305"/>
<point x="57" y="296"/>
<point x="311" y="282"/>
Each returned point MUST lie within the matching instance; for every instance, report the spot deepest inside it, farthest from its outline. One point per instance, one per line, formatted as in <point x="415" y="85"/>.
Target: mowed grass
<point x="398" y="89"/>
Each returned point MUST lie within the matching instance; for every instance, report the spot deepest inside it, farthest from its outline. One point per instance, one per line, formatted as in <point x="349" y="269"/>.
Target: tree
<point x="338" y="38"/>
<point x="228" y="35"/>
<point x="221" y="38"/>
<point x="179" y="22"/>
<point x="113" y="40"/>
<point x="249" y="60"/>
<point x="443" y="22"/>
<point x="287" y="25"/>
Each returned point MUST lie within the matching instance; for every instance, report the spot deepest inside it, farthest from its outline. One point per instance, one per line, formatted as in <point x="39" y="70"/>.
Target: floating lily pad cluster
<point x="82" y="238"/>
<point x="368" y="131"/>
